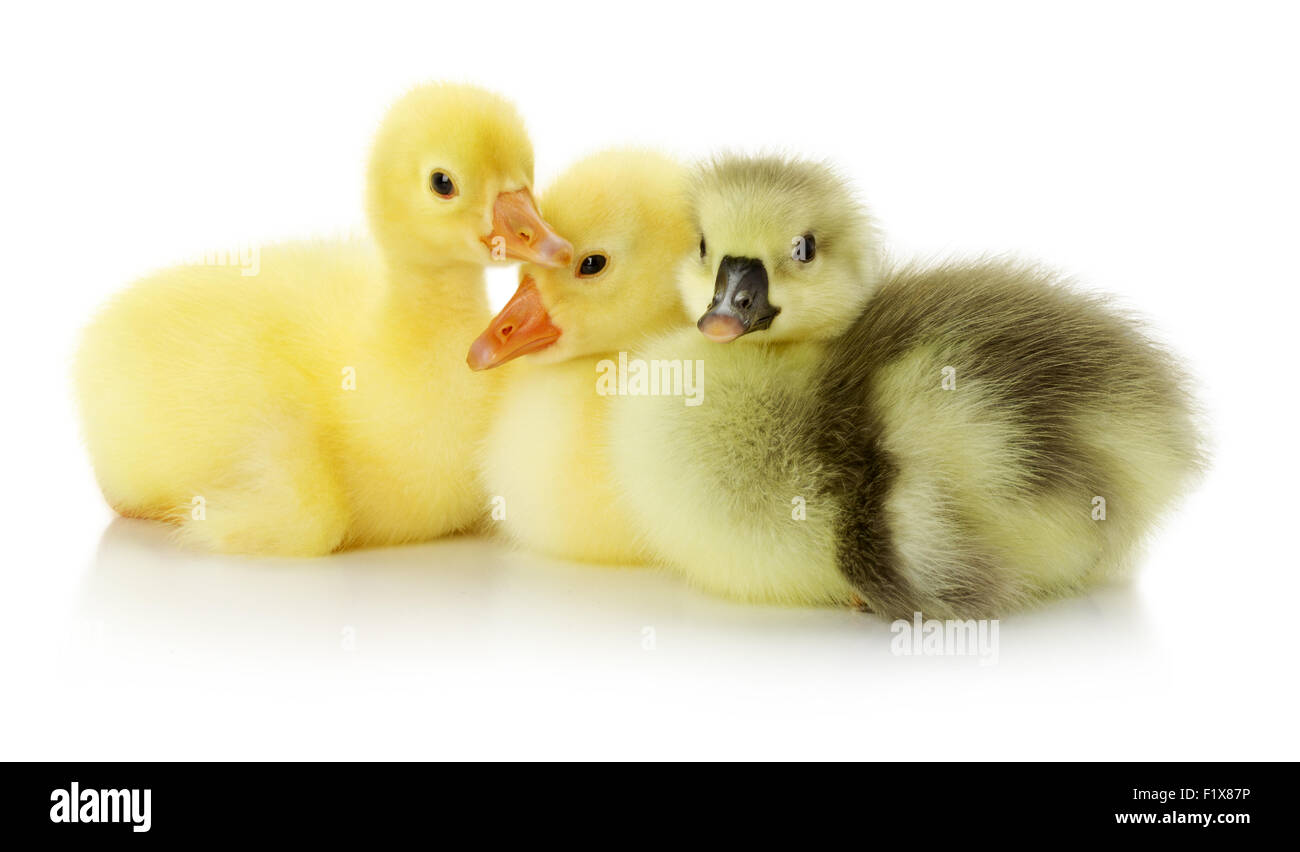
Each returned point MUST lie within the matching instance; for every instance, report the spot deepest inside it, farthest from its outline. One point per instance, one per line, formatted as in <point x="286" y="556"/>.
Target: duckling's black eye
<point x="701" y="246"/>
<point x="803" y="249"/>
<point x="592" y="265"/>
<point x="441" y="183"/>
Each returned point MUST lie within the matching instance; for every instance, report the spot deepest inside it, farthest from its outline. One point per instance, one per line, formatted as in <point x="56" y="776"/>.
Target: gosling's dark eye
<point x="803" y="249"/>
<point x="592" y="265"/>
<point x="441" y="183"/>
<point x="701" y="246"/>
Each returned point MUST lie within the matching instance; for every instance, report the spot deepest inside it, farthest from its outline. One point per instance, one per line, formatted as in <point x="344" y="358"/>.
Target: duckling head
<point x="627" y="214"/>
<point x="450" y="181"/>
<point x="785" y="249"/>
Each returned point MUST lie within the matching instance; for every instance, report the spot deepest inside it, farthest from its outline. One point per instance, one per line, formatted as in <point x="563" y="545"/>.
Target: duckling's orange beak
<point x="520" y="233"/>
<point x="523" y="326"/>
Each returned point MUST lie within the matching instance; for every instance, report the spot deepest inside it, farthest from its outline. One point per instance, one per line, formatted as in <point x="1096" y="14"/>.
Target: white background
<point x="1149" y="149"/>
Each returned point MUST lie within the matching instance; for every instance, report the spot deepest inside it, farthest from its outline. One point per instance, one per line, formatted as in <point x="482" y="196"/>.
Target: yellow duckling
<point x="324" y="403"/>
<point x="958" y="441"/>
<point x="546" y="456"/>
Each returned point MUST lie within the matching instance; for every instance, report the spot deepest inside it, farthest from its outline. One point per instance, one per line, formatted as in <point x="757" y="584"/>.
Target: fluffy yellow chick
<point x="960" y="441"/>
<point x="546" y="460"/>
<point x="324" y="402"/>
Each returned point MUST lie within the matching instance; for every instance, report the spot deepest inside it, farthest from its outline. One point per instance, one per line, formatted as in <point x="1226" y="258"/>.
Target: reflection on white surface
<point x="469" y="617"/>
<point x="463" y="648"/>
<point x="457" y="598"/>
<point x="463" y="599"/>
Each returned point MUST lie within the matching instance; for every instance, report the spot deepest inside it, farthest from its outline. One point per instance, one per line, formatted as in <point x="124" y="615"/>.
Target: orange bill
<point x="523" y="326"/>
<point x="520" y="233"/>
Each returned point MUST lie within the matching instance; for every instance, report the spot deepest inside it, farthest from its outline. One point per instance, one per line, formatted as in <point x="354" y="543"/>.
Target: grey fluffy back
<point x="1058" y="363"/>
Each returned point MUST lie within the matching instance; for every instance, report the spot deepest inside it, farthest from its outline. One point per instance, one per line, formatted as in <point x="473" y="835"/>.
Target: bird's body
<point x="546" y="457"/>
<point x="302" y="407"/>
<point x="322" y="403"/>
<point x="944" y="456"/>
<point x="996" y="438"/>
<point x="731" y="493"/>
<point x="961" y="441"/>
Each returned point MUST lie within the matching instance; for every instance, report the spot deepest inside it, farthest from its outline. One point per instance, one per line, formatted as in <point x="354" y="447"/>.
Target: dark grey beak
<point x="739" y="303"/>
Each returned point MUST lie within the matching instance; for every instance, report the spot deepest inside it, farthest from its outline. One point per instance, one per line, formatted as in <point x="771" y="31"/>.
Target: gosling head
<point x="627" y="214"/>
<point x="450" y="181"/>
<point x="784" y="249"/>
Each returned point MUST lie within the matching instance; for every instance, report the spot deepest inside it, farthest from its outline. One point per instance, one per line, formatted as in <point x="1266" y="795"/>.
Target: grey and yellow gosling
<point x="962" y="441"/>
